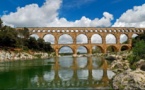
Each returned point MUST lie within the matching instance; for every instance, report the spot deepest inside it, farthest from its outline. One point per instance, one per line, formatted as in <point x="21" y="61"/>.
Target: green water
<point x="55" y="73"/>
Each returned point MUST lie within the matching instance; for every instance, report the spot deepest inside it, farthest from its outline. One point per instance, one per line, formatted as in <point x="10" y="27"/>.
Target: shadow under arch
<point x="124" y="48"/>
<point x="112" y="49"/>
<point x="97" y="49"/>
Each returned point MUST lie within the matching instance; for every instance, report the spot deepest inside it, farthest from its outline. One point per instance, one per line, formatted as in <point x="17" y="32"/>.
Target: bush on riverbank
<point x="138" y="52"/>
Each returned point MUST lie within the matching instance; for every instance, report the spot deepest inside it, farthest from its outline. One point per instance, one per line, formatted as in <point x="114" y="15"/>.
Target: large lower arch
<point x="97" y="49"/>
<point x="49" y="38"/>
<point x="35" y="36"/>
<point x="81" y="39"/>
<point x="82" y="50"/>
<point x="112" y="49"/>
<point x="65" y="39"/>
<point x="96" y="38"/>
<point x="110" y="39"/>
<point x="66" y="50"/>
<point x="124" y="39"/>
<point x="124" y="48"/>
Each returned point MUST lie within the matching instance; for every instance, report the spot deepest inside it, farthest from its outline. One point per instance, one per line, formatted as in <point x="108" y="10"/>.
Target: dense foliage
<point x="12" y="38"/>
<point x="138" y="49"/>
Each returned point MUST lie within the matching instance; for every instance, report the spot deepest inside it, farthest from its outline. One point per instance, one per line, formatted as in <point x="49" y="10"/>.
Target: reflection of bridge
<point x="74" y="80"/>
<point x="89" y="32"/>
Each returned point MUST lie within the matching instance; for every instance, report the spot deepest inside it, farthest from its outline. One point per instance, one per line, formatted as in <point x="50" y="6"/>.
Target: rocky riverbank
<point x="13" y="55"/>
<point x="127" y="78"/>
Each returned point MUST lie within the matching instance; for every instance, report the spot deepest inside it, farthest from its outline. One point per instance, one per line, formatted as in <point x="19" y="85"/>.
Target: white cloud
<point x="32" y="15"/>
<point x="96" y="38"/>
<point x="132" y="18"/>
<point x="65" y="39"/>
<point x="35" y="36"/>
<point x="123" y="38"/>
<point x="47" y="16"/>
<point x="110" y="39"/>
<point x="49" y="38"/>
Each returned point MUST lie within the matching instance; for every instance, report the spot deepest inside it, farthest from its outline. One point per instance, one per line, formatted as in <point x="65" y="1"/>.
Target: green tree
<point x="10" y="37"/>
<point x="138" y="52"/>
<point x="41" y="44"/>
<point x="139" y="48"/>
<point x="48" y="47"/>
<point x="32" y="43"/>
<point x="23" y="33"/>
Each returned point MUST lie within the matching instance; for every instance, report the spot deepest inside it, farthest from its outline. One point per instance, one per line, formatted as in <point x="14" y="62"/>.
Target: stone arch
<point x="49" y="38"/>
<point x="81" y="38"/>
<point x="97" y="49"/>
<point x="124" y="47"/>
<point x="35" y="36"/>
<point x="111" y="39"/>
<point x="96" y="38"/>
<point x="111" y="48"/>
<point x="65" y="50"/>
<point x="80" y="50"/>
<point x="65" y="39"/>
<point x="134" y="35"/>
<point x="124" y="39"/>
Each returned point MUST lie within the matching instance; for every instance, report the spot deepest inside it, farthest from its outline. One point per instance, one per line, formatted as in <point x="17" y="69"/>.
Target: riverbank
<point x="22" y="55"/>
<point x="127" y="77"/>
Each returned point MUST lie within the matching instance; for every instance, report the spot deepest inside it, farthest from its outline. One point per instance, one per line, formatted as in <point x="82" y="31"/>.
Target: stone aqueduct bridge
<point x="88" y="31"/>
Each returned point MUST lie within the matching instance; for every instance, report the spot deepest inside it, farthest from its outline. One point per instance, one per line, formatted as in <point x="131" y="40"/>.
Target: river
<point x="56" y="73"/>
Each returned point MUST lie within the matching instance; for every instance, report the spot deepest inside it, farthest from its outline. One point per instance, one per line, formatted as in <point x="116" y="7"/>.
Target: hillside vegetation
<point x="10" y="38"/>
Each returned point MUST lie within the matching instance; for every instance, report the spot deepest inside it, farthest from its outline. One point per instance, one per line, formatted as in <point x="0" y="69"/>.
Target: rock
<point x="143" y="67"/>
<point x="110" y="58"/>
<point x="10" y="55"/>
<point x="140" y="64"/>
<point x="129" y="80"/>
<point x="119" y="66"/>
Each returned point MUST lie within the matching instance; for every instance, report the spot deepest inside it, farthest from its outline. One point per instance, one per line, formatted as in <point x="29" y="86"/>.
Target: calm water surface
<point x="63" y="73"/>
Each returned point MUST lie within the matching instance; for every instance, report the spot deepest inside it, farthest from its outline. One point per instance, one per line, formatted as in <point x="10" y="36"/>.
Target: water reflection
<point x="63" y="72"/>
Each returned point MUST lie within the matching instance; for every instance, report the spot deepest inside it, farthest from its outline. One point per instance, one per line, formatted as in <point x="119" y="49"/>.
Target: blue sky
<point x="75" y="9"/>
<point x="71" y="13"/>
